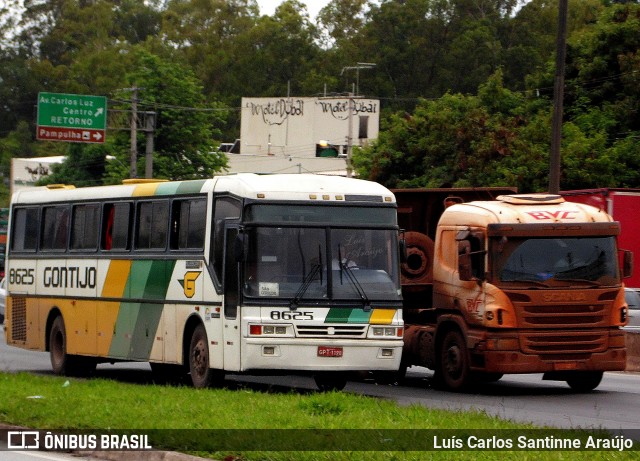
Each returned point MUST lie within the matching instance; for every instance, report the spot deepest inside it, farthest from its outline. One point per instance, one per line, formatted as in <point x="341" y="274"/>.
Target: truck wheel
<point x="453" y="365"/>
<point x="201" y="374"/>
<point x="61" y="362"/>
<point x="330" y="381"/>
<point x="418" y="268"/>
<point x="585" y="381"/>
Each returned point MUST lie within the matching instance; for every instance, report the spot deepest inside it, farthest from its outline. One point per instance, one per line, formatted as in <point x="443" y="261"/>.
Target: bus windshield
<point x="321" y="264"/>
<point x="556" y="261"/>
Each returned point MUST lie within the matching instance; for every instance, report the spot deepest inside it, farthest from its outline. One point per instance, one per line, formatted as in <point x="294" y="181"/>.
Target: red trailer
<point x="624" y="206"/>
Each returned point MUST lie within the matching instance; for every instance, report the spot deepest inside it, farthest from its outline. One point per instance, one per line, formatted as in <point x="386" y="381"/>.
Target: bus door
<point x="232" y="324"/>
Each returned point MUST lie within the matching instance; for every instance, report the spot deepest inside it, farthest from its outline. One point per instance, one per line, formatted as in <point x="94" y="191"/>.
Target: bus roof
<point x="270" y="187"/>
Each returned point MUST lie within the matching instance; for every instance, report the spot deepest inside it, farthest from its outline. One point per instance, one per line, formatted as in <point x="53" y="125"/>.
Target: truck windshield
<point x="299" y="265"/>
<point x="556" y="261"/>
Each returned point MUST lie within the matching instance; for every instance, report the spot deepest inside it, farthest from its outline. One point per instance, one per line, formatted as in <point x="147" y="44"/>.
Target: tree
<point x="457" y="141"/>
<point x="185" y="125"/>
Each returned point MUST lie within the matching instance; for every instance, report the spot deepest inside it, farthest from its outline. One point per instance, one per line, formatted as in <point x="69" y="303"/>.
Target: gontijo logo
<point x="189" y="283"/>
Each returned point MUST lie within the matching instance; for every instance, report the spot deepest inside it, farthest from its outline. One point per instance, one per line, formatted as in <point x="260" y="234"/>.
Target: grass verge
<point x="43" y="402"/>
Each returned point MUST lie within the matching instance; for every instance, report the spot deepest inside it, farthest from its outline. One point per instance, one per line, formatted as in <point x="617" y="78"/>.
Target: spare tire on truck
<point x="417" y="269"/>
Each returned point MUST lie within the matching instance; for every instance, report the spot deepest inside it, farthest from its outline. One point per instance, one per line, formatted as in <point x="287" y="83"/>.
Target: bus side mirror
<point x="402" y="245"/>
<point x="627" y="264"/>
<point x="240" y="248"/>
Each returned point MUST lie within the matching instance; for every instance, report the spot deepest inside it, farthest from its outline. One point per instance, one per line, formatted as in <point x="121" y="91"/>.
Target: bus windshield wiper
<point x="306" y="282"/>
<point x="344" y="268"/>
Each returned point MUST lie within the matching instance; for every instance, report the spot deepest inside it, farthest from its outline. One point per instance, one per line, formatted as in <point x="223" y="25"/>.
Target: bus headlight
<point x="270" y="330"/>
<point x="386" y="332"/>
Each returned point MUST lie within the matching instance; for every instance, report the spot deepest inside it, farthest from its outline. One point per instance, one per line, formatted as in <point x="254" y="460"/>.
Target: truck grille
<point x="563" y="328"/>
<point x="567" y="342"/>
<point x="563" y="315"/>
<point x="332" y="331"/>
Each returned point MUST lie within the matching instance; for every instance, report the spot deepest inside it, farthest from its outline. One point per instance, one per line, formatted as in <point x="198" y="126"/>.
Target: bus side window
<point x="152" y="225"/>
<point x="55" y="228"/>
<point x="24" y="235"/>
<point x="226" y="208"/>
<point x="188" y="224"/>
<point x="84" y="230"/>
<point x="116" y="219"/>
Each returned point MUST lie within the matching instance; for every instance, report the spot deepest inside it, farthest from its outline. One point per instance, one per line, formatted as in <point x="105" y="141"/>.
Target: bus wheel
<point x="330" y="381"/>
<point x="58" y="347"/>
<point x="585" y="381"/>
<point x="61" y="362"/>
<point x="201" y="374"/>
<point x="454" y="362"/>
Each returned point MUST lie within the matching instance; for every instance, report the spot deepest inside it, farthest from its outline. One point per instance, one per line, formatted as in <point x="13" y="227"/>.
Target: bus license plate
<point x="326" y="351"/>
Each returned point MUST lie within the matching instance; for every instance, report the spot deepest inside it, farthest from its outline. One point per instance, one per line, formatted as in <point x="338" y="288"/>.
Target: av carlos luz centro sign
<point x="71" y="117"/>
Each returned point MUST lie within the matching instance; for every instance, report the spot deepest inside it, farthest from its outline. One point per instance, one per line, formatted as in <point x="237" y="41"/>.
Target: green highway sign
<point x="71" y="117"/>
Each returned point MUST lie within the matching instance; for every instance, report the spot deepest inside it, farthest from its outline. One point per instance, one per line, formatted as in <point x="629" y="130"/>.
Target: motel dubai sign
<point x="71" y="118"/>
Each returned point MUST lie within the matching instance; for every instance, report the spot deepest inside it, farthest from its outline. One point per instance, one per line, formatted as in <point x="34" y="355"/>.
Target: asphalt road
<point x="614" y="405"/>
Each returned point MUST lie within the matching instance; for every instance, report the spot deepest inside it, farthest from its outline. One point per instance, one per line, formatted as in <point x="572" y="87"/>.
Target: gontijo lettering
<point x="69" y="277"/>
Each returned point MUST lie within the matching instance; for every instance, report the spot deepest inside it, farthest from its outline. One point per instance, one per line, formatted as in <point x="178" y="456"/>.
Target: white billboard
<point x="298" y="129"/>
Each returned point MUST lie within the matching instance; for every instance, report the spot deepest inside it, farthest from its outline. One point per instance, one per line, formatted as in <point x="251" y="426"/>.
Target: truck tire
<point x="418" y="267"/>
<point x="201" y="374"/>
<point x="585" y="381"/>
<point x="452" y="370"/>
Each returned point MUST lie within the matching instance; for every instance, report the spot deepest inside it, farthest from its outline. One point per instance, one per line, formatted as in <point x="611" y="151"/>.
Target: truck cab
<point x="521" y="284"/>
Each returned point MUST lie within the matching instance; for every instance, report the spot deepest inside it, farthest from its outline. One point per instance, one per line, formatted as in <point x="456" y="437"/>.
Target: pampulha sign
<point x="71" y="117"/>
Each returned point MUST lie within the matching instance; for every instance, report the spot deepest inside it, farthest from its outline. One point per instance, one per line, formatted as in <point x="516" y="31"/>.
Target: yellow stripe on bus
<point x="145" y="189"/>
<point x="382" y="316"/>
<point x="117" y="277"/>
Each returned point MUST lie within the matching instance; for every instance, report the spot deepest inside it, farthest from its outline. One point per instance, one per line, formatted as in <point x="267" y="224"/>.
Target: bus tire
<point x="63" y="363"/>
<point x="330" y="381"/>
<point x="201" y="374"/>
<point x="585" y="381"/>
<point x="452" y="370"/>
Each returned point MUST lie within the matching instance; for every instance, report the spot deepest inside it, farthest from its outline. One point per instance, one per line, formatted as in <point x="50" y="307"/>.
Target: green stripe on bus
<point x="338" y="315"/>
<point x="359" y="316"/>
<point x="167" y="188"/>
<point x="191" y="187"/>
<point x="137" y="323"/>
<point x="144" y="332"/>
<point x="180" y="187"/>
<point x="123" y="330"/>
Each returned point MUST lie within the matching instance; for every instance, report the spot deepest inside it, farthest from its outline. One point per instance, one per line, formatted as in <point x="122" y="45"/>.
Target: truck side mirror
<point x="627" y="264"/>
<point x="465" y="269"/>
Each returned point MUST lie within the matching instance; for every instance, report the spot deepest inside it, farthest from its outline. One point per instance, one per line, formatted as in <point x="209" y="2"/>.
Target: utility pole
<point x="350" y="137"/>
<point x="149" y="125"/>
<point x="133" y="160"/>
<point x="558" y="97"/>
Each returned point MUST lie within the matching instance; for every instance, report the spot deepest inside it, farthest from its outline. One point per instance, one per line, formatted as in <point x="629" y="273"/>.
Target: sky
<point x="268" y="7"/>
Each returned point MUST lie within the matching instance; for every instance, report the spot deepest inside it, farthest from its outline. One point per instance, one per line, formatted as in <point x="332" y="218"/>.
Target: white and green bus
<point x="239" y="274"/>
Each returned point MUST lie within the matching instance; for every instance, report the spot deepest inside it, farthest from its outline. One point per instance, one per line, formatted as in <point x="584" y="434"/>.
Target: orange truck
<point x="495" y="282"/>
